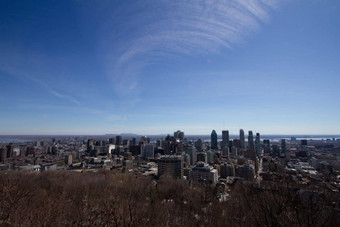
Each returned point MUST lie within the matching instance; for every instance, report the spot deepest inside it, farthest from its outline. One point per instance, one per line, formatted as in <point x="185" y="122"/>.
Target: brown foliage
<point x="64" y="198"/>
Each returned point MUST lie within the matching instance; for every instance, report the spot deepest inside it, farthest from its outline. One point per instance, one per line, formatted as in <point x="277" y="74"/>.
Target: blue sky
<point x="151" y="67"/>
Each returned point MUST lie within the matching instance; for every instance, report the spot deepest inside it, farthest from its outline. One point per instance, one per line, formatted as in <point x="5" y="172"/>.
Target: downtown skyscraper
<point x="242" y="140"/>
<point x="225" y="138"/>
<point x="250" y="141"/>
<point x="258" y="144"/>
<point x="214" y="140"/>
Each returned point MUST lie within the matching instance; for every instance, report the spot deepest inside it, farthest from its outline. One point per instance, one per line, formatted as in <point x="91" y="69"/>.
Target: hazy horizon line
<point x="163" y="134"/>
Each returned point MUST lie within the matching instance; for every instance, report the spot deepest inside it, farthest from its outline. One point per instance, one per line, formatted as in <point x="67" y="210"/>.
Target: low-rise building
<point x="204" y="173"/>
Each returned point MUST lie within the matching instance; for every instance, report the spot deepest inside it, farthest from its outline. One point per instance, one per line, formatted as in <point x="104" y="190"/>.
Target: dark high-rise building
<point x="112" y="140"/>
<point x="169" y="138"/>
<point x="225" y="138"/>
<point x="3" y="154"/>
<point x="10" y="150"/>
<point x="167" y="147"/>
<point x="126" y="142"/>
<point x="266" y="144"/>
<point x="242" y="140"/>
<point x="250" y="141"/>
<point x="199" y="144"/>
<point x="303" y="142"/>
<point x="201" y="157"/>
<point x="54" y="150"/>
<point x="236" y="143"/>
<point x="227" y="170"/>
<point x="31" y="150"/>
<point x="119" y="140"/>
<point x="276" y="150"/>
<point x="174" y="147"/>
<point x="90" y="145"/>
<point x="134" y="141"/>
<point x="283" y="146"/>
<point x="179" y="135"/>
<point x="258" y="144"/>
<point x="257" y="137"/>
<point x="135" y="150"/>
<point x="214" y="140"/>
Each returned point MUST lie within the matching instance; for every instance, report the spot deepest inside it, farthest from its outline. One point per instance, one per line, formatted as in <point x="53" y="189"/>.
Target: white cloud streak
<point x="40" y="83"/>
<point x="79" y="108"/>
<point x="151" y="31"/>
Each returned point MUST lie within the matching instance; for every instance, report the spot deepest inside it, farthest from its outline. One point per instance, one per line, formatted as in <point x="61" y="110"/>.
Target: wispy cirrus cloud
<point x="106" y="113"/>
<point x="22" y="75"/>
<point x="152" y="31"/>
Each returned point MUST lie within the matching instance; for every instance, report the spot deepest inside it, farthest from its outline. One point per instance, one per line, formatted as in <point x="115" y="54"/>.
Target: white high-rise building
<point x="192" y="152"/>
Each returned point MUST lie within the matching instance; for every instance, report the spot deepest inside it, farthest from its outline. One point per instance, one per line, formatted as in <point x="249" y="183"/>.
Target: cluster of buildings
<point x="212" y="161"/>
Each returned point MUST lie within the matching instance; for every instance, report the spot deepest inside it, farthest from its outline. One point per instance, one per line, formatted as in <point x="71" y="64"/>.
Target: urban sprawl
<point x="216" y="161"/>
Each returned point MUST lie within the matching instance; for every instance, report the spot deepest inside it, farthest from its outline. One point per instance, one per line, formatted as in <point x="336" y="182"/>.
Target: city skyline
<point x="151" y="67"/>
